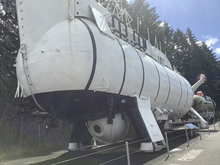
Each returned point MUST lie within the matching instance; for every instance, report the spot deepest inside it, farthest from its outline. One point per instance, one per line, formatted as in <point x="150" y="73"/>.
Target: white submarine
<point x="82" y="62"/>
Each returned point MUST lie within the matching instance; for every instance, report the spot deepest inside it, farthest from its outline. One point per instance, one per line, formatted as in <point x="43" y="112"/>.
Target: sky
<point x="201" y="16"/>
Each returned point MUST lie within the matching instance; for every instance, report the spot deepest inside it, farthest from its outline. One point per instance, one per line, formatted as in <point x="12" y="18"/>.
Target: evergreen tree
<point x="9" y="45"/>
<point x="147" y="17"/>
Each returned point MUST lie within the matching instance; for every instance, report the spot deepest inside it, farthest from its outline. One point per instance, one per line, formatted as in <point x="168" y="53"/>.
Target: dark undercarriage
<point x="82" y="105"/>
<point x="79" y="106"/>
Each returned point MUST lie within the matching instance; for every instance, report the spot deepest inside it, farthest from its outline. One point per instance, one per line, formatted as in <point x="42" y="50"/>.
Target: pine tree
<point x="147" y="17"/>
<point x="9" y="44"/>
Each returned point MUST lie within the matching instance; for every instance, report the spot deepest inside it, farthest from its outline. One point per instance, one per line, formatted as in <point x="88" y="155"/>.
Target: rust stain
<point x="70" y="40"/>
<point x="69" y="23"/>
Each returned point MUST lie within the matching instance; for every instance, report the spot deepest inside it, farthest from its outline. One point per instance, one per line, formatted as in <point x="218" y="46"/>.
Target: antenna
<point x="160" y="47"/>
<point x="148" y="34"/>
<point x="155" y="42"/>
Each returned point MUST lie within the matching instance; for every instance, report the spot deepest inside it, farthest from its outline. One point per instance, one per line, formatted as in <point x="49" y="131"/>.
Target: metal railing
<point x="127" y="150"/>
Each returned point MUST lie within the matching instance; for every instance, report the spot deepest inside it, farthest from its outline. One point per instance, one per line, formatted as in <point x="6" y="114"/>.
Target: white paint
<point x="101" y="22"/>
<point x="176" y="150"/>
<point x="149" y="120"/>
<point x="59" y="55"/>
<point x="147" y="147"/>
<point x="190" y="155"/>
<point x="109" y="132"/>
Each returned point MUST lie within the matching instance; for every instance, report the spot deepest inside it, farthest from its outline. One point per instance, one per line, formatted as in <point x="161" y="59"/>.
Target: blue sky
<point x="201" y="16"/>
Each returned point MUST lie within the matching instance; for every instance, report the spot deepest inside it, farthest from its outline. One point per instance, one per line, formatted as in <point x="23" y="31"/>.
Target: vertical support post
<point x="214" y="124"/>
<point x="127" y="152"/>
<point x="187" y="137"/>
<point x="39" y="134"/>
<point x="148" y="34"/>
<point x="138" y="24"/>
<point x="208" y="130"/>
<point x="218" y="124"/>
<point x="200" y="133"/>
<point x="12" y="134"/>
<point x="21" y="132"/>
<point x="168" y="149"/>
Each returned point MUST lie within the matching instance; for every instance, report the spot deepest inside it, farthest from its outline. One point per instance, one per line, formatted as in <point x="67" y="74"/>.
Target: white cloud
<point x="199" y="43"/>
<point x="162" y="24"/>
<point x="206" y="37"/>
<point x="210" y="40"/>
<point x="217" y="50"/>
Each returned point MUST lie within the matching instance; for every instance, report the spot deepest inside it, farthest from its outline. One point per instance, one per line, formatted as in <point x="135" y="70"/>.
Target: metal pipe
<point x="127" y="152"/>
<point x="203" y="123"/>
<point x="201" y="80"/>
<point x="214" y="124"/>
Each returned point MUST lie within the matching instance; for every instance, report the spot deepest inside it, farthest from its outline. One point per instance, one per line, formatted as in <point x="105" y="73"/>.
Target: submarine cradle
<point x="81" y="62"/>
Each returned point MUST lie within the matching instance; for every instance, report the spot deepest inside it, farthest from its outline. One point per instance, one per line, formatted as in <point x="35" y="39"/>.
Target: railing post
<point x="218" y="124"/>
<point x="168" y="149"/>
<point x="187" y="137"/>
<point x="208" y="130"/>
<point x="127" y="152"/>
<point x="200" y="133"/>
<point x="39" y="134"/>
<point x="21" y="132"/>
<point x="214" y="124"/>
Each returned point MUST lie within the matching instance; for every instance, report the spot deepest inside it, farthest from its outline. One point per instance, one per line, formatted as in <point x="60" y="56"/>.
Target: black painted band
<point x="123" y="81"/>
<point x="187" y="93"/>
<point x="159" y="81"/>
<point x="142" y="86"/>
<point x="169" y="85"/>
<point x="181" y="89"/>
<point x="94" y="55"/>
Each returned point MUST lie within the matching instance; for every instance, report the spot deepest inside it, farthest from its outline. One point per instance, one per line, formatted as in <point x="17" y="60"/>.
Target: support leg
<point x="79" y="137"/>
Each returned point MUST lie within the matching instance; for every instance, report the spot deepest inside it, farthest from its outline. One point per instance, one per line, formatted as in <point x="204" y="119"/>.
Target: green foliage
<point x="9" y="45"/>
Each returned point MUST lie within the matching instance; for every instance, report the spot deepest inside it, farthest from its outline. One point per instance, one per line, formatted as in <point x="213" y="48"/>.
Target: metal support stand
<point x="39" y="134"/>
<point x="208" y="130"/>
<point x="187" y="137"/>
<point x="218" y="124"/>
<point x="200" y="133"/>
<point x="214" y="124"/>
<point x="12" y="135"/>
<point x="21" y="133"/>
<point x="168" y="149"/>
<point x="127" y="152"/>
<point x="110" y="105"/>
